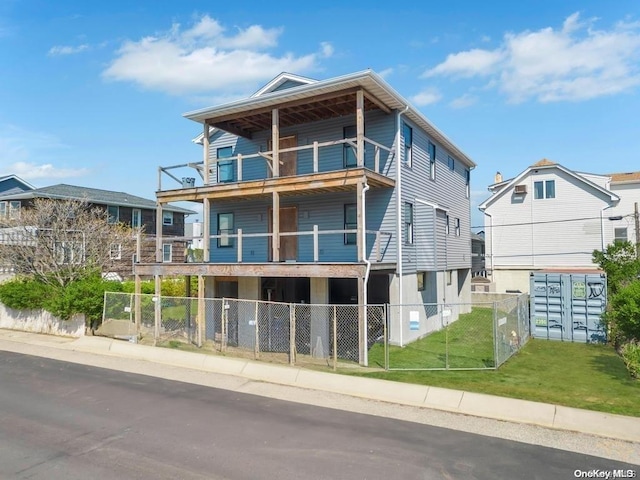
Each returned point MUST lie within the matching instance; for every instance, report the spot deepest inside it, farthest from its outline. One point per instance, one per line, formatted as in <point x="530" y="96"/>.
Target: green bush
<point x="82" y="296"/>
<point x="171" y="287"/>
<point x="631" y="355"/>
<point x="25" y="294"/>
<point x="623" y="315"/>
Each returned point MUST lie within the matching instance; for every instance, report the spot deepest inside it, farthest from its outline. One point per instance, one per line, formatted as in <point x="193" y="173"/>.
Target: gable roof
<point x="281" y="79"/>
<point x="374" y="86"/>
<point x="6" y="178"/>
<point x="545" y="164"/>
<point x="92" y="195"/>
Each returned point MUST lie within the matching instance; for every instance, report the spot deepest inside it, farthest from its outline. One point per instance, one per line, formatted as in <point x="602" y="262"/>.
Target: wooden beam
<point x="227" y="127"/>
<point x="275" y="142"/>
<point x="205" y="154"/>
<point x="158" y="232"/>
<point x="206" y="229"/>
<point x="285" y="269"/>
<point x="275" y="227"/>
<point x="337" y="180"/>
<point x="360" y="128"/>
<point x="377" y="102"/>
<point x="359" y="221"/>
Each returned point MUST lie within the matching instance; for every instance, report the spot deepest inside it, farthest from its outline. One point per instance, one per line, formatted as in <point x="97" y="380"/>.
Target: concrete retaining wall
<point x="40" y="321"/>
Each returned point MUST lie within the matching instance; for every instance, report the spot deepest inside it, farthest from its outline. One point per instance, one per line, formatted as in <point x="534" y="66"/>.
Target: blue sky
<point x="92" y="93"/>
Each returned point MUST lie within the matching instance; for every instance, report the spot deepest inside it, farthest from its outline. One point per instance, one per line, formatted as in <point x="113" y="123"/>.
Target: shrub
<point x="25" y="294"/>
<point x="83" y="296"/>
<point x="623" y="315"/>
<point x="631" y="355"/>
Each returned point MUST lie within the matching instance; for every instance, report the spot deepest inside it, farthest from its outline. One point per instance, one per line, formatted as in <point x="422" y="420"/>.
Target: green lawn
<point x="577" y="375"/>
<point x="466" y="343"/>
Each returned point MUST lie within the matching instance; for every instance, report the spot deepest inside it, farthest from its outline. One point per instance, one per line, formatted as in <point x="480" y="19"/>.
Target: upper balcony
<point x="304" y="169"/>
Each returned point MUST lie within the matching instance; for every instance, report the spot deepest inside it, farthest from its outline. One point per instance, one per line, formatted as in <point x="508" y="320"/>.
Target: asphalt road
<point x="62" y="420"/>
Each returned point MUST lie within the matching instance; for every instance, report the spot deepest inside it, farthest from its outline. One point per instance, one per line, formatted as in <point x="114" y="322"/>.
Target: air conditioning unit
<point x="520" y="189"/>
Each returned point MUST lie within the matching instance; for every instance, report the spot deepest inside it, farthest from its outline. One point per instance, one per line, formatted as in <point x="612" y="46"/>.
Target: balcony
<point x="304" y="169"/>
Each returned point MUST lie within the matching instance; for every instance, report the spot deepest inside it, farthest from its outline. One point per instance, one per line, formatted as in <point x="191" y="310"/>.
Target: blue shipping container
<point x="568" y="306"/>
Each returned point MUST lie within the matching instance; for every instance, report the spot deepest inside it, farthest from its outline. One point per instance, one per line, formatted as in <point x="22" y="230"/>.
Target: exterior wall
<point x="562" y="232"/>
<point x="326" y="211"/>
<point x="629" y="194"/>
<point x="449" y="191"/>
<point x="516" y="279"/>
<point x="11" y="186"/>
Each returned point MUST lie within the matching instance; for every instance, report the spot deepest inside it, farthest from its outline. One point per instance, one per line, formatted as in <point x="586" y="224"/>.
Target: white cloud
<point x="19" y="147"/>
<point x="67" y="50"/>
<point x="463" y="101"/>
<point x="576" y="62"/>
<point x="467" y="64"/>
<point x="426" y="97"/>
<point x="386" y="73"/>
<point x="30" y="171"/>
<point x="205" y="58"/>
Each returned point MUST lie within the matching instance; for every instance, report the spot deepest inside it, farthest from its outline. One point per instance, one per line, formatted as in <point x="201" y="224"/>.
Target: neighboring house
<point x="329" y="192"/>
<point x="13" y="184"/>
<point x="119" y="207"/>
<point x="550" y="217"/>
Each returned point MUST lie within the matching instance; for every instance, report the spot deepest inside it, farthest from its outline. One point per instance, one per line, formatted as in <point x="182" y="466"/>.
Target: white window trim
<point x="167" y="218"/>
<point x="136" y="213"/>
<point x="115" y="253"/>
<point x="164" y="257"/>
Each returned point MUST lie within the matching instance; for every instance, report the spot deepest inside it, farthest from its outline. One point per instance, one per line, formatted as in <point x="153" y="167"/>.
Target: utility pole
<point x="636" y="218"/>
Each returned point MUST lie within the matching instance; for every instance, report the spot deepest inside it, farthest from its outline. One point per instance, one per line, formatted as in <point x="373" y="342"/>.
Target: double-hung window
<point x="467" y="180"/>
<point x="226" y="168"/>
<point x="10" y="209"/>
<point x="620" y="235"/>
<point x="115" y="251"/>
<point x="408" y="223"/>
<point x="225" y="228"/>
<point x="544" y="189"/>
<point x="452" y="163"/>
<point x="447" y="225"/>
<point x="167" y="218"/>
<point x="457" y="227"/>
<point x="167" y="252"/>
<point x="407" y="134"/>
<point x="349" y="157"/>
<point x="350" y="223"/>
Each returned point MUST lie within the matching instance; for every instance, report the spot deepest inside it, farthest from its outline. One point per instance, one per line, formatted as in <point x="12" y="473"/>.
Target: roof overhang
<point x="315" y="101"/>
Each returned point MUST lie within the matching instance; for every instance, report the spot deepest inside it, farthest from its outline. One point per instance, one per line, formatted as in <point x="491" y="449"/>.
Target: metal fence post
<point x="446" y="337"/>
<point x="386" y="335"/>
<point x="495" y="336"/>
<point x="292" y="334"/>
<point x="256" y="348"/>
<point x="223" y="324"/>
<point x="335" y="340"/>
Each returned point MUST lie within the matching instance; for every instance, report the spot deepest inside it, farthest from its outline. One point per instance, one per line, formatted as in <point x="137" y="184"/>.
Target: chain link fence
<point x="477" y="336"/>
<point x="460" y="336"/>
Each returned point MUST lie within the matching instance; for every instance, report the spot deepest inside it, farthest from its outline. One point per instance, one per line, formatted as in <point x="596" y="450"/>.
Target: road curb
<point x="468" y="403"/>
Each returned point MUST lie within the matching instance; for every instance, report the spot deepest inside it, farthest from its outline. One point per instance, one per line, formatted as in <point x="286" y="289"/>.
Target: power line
<point x="549" y="221"/>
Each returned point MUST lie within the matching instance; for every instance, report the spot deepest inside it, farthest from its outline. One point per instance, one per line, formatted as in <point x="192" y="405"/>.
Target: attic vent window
<point x="520" y="189"/>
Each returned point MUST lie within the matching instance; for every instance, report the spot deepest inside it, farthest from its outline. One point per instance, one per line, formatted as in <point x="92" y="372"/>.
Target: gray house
<point x="328" y="192"/>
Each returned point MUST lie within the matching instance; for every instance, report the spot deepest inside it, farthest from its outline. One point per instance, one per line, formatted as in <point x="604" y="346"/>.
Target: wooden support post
<point x="206" y="154"/>
<point x="316" y="248"/>
<point x="376" y="160"/>
<point x="275" y="142"/>
<point x="138" y="248"/>
<point x="360" y="128"/>
<point x="275" y="228"/>
<point x="239" y="167"/>
<point x="316" y="160"/>
<point x="223" y="325"/>
<point x="159" y="256"/>
<point x="378" y="252"/>
<point x="187" y="310"/>
<point x="239" y="243"/>
<point x="360" y="223"/>
<point x="206" y="230"/>
<point x="292" y="334"/>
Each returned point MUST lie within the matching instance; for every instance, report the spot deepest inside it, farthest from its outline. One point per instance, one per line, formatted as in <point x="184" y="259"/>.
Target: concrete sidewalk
<point x="475" y="404"/>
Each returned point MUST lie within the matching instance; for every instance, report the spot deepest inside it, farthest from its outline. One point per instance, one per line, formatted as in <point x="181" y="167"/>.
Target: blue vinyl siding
<point x="287" y="84"/>
<point x="326" y="211"/>
<point x="448" y="190"/>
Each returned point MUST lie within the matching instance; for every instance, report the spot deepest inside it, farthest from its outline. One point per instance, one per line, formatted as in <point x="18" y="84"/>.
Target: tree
<point x="621" y="264"/>
<point x="61" y="241"/>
